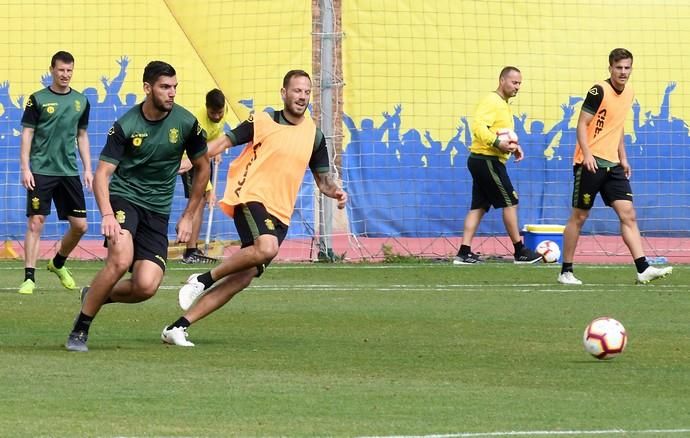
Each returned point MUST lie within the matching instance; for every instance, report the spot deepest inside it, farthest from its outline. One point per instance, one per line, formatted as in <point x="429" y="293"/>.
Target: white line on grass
<point x="542" y="433"/>
<point x="444" y="265"/>
<point x="479" y="288"/>
<point x="358" y="266"/>
<point x="432" y="288"/>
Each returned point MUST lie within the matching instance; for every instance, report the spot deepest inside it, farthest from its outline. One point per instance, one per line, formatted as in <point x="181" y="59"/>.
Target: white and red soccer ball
<point x="605" y="338"/>
<point x="549" y="250"/>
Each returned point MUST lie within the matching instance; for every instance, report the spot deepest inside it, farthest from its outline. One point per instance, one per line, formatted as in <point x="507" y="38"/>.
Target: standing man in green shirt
<point x="491" y="185"/>
<point x="54" y="121"/>
<point x="134" y="186"/>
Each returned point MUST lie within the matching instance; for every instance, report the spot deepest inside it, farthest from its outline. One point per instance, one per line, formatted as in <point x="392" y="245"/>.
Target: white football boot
<point x="568" y="278"/>
<point x="652" y="273"/>
<point x="176" y="336"/>
<point x="190" y="292"/>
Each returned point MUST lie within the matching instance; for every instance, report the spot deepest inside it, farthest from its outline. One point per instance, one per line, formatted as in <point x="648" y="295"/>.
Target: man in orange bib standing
<point x="261" y="190"/>
<point x="601" y="166"/>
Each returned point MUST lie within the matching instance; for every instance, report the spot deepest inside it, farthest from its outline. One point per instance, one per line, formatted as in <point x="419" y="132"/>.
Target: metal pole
<point x="211" y="208"/>
<point x="327" y="125"/>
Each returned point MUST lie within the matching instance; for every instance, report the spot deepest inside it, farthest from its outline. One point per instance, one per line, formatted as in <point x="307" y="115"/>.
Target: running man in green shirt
<point x="54" y="120"/>
<point x="134" y="186"/>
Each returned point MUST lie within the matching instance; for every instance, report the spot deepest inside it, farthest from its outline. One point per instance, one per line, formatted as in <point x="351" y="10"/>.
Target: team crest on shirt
<point x="50" y="109"/>
<point x="29" y="103"/>
<point x="120" y="217"/>
<point x="77" y="106"/>
<point x="173" y="135"/>
<point x="515" y="194"/>
<point x="35" y="203"/>
<point x="269" y="224"/>
<point x="587" y="198"/>
<point x="594" y="91"/>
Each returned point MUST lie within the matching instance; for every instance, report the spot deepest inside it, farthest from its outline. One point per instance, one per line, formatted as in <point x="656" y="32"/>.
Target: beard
<point x="295" y="111"/>
<point x="161" y="105"/>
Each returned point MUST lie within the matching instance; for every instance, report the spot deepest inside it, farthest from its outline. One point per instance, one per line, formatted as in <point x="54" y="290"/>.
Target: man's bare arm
<point x="328" y="186"/>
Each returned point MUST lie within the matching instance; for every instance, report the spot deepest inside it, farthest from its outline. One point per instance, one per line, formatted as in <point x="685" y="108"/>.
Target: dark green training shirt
<point x="147" y="155"/>
<point x="55" y="119"/>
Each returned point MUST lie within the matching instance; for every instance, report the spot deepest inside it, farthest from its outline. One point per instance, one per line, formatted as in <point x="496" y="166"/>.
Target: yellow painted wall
<point x="435" y="58"/>
<point x="248" y="46"/>
<point x="438" y="57"/>
<point x="243" y="47"/>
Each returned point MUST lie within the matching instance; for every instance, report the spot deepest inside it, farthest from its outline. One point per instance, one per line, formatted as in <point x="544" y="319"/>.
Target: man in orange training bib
<point x="262" y="187"/>
<point x="601" y="166"/>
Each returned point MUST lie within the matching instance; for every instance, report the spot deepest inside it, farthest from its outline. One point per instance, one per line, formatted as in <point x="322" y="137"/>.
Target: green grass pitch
<point x="352" y="350"/>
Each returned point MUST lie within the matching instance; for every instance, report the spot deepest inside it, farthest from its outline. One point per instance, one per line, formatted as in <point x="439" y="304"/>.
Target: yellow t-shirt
<point x="213" y="131"/>
<point x="492" y="114"/>
<point x="271" y="167"/>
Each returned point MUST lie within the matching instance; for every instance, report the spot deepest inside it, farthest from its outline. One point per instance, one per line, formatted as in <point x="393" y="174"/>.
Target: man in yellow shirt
<point x="600" y="165"/>
<point x="262" y="187"/>
<point x="491" y="185"/>
<point x="212" y="118"/>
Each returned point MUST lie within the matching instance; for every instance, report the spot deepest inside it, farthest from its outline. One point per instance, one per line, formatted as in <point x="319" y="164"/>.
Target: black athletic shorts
<point x="65" y="191"/>
<point x="149" y="230"/>
<point x="491" y="184"/>
<point x="252" y="220"/>
<point x="188" y="180"/>
<point x="609" y="181"/>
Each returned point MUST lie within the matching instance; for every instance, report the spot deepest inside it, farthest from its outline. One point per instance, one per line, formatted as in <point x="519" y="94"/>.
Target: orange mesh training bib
<point x="271" y="168"/>
<point x="605" y="131"/>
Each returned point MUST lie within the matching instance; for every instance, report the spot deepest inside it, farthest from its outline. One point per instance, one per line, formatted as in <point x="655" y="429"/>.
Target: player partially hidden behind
<point x="260" y="195"/>
<point x="134" y="186"/>
<point x="491" y="185"/>
<point x="601" y="166"/>
<point x="212" y="118"/>
<point x="54" y="120"/>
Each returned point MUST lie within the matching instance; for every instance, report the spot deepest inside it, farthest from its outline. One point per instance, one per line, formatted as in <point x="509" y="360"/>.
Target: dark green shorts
<point x="491" y="184"/>
<point x="609" y="181"/>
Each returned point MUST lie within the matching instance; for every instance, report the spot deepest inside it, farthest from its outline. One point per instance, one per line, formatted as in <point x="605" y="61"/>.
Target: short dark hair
<point x="294" y="73"/>
<point x="618" y="54"/>
<point x="62" y="56"/>
<point x="156" y="69"/>
<point x="215" y="99"/>
<point x="506" y="70"/>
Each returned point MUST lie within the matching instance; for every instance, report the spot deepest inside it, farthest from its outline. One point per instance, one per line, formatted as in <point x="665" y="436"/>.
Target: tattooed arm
<point x="328" y="186"/>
